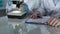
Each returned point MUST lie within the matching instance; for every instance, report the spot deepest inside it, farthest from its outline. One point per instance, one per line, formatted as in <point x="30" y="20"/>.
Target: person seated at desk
<point x="47" y="8"/>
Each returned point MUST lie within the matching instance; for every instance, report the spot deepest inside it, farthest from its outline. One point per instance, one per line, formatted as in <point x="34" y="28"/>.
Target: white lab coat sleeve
<point x="56" y="13"/>
<point x="41" y="8"/>
<point x="56" y="10"/>
<point x="33" y="4"/>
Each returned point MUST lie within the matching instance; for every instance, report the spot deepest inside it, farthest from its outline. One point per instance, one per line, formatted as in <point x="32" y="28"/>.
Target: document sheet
<point x="39" y="20"/>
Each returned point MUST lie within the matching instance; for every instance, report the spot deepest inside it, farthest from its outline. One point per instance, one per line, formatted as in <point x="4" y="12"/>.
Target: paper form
<point x="39" y="20"/>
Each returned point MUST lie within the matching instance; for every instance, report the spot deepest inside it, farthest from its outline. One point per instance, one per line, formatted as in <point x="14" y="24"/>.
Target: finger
<point x="31" y="16"/>
<point x="58" y="24"/>
<point x="49" y="20"/>
<point x="36" y="16"/>
<point x="53" y="21"/>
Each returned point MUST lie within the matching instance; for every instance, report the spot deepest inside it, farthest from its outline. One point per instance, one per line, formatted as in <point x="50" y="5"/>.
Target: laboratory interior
<point x="15" y="19"/>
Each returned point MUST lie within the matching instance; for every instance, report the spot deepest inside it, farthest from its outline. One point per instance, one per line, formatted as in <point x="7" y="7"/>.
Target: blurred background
<point x="14" y="13"/>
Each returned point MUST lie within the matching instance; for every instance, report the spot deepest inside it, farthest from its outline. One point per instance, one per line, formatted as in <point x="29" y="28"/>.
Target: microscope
<point x="19" y="11"/>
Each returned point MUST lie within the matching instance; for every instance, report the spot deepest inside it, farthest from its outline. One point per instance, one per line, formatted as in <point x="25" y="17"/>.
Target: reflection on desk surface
<point x="37" y="29"/>
<point x="43" y="29"/>
<point x="53" y="30"/>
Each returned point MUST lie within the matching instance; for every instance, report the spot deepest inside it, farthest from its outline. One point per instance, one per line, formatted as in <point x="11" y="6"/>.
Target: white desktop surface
<point x="5" y="28"/>
<point x="33" y="28"/>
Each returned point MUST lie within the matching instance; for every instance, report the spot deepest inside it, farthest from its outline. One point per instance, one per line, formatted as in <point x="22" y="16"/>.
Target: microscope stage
<point x="16" y="14"/>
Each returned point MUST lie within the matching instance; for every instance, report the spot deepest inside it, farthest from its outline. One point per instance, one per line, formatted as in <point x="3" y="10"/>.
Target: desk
<point x="32" y="28"/>
<point x="5" y="28"/>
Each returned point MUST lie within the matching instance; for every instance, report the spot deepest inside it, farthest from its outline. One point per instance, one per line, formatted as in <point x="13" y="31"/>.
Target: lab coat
<point x="32" y="4"/>
<point x="45" y="7"/>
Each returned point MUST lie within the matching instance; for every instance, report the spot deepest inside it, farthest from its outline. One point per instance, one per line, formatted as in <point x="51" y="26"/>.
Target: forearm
<point x="41" y="11"/>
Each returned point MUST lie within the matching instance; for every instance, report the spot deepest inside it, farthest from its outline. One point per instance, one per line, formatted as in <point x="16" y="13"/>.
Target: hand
<point x="35" y="15"/>
<point x="53" y="22"/>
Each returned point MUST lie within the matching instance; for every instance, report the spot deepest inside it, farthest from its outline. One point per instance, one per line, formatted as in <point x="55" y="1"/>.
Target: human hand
<point x="53" y="22"/>
<point x="36" y="15"/>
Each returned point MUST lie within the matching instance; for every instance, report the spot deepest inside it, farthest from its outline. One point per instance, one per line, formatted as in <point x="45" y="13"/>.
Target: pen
<point x="35" y="23"/>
